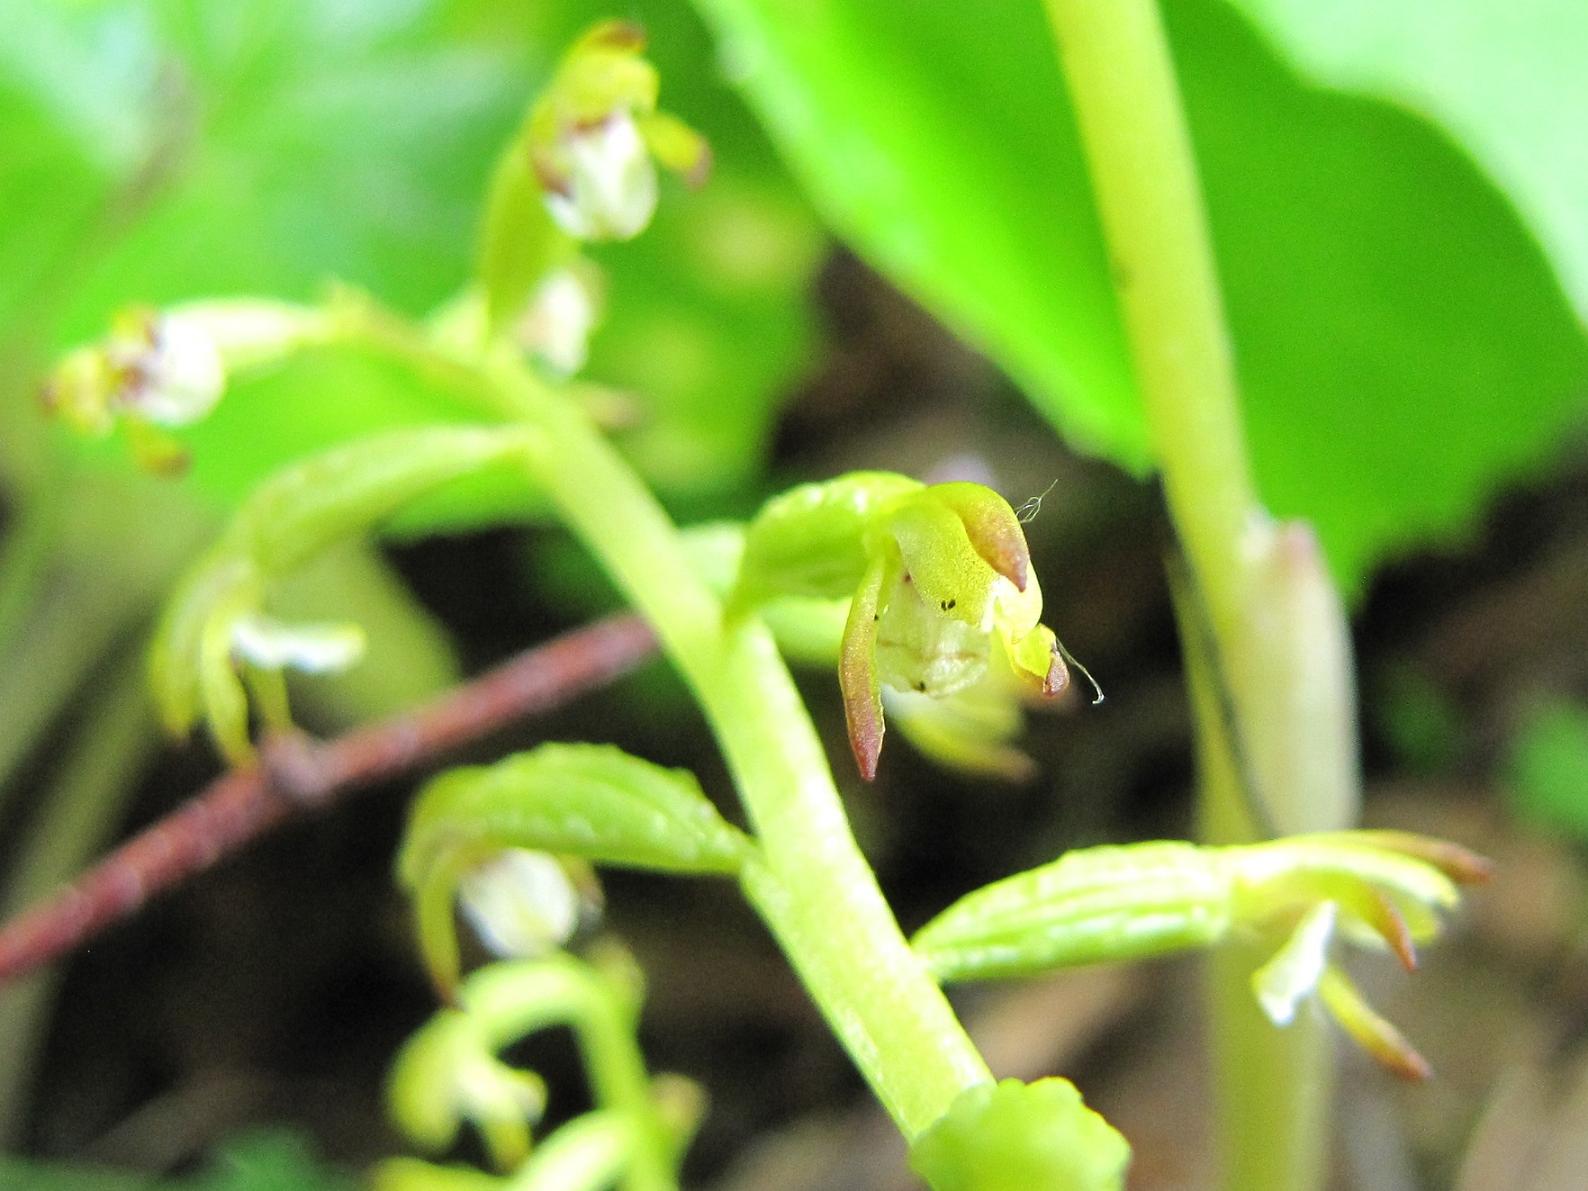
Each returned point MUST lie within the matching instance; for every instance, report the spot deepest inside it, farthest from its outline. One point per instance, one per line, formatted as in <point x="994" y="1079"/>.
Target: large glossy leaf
<point x="1403" y="344"/>
<point x="1508" y="81"/>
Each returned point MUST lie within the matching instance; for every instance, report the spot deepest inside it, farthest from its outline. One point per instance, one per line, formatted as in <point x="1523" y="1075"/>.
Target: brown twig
<point x="295" y="775"/>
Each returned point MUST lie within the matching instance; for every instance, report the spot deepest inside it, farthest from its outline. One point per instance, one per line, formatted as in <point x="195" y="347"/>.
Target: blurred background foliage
<point x="1399" y="200"/>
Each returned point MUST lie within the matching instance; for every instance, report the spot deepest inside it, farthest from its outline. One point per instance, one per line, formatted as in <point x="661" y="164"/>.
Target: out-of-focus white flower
<point x="170" y="368"/>
<point x="521" y="903"/>
<point x="159" y="371"/>
<point x="606" y="189"/>
<point x="313" y="648"/>
<point x="556" y="325"/>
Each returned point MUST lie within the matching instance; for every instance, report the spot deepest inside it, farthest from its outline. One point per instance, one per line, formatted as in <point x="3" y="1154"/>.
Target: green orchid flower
<point x="1385" y="890"/>
<point x="940" y="576"/>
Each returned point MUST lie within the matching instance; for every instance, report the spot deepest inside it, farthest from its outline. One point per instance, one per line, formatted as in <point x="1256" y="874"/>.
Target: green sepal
<point x="940" y="559"/>
<point x="587" y="800"/>
<point x="351" y="489"/>
<point x="520" y="242"/>
<point x="1090" y="906"/>
<point x="1015" y="1136"/>
<point x="812" y="539"/>
<point x="219" y="582"/>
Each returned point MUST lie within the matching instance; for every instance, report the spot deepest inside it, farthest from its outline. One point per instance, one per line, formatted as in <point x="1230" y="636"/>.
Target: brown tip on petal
<point x="551" y="180"/>
<point x="992" y="527"/>
<point x="866" y="744"/>
<point x="1381" y="1040"/>
<point x="1403" y="1062"/>
<point x="857" y="674"/>
<point x="1003" y="548"/>
<point x="1461" y="865"/>
<point x="699" y="173"/>
<point x="862" y="714"/>
<point x="618" y="35"/>
<point x="1057" y="679"/>
<point x="1391" y="926"/>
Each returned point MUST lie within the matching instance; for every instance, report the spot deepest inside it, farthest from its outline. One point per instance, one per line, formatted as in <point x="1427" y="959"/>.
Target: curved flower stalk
<point x="1381" y="889"/>
<point x="450" y="1074"/>
<point x="936" y="573"/>
<point x="215" y="634"/>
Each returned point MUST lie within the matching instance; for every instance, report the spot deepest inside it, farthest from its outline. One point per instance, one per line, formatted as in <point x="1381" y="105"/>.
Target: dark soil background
<point x="277" y="988"/>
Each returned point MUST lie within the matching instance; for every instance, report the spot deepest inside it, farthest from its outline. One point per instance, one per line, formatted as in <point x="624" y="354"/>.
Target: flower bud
<point x="521" y="903"/>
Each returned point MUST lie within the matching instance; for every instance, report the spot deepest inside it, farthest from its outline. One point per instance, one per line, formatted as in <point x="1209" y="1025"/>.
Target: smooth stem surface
<point x="1275" y="640"/>
<point x="811" y="884"/>
<point x="565" y="991"/>
<point x="1116" y="62"/>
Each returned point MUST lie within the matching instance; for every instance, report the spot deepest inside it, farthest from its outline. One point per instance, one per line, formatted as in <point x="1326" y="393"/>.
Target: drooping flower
<point x="1381" y="888"/>
<point x="596" y="137"/>
<point x="1384" y="890"/>
<point x="940" y="581"/>
<point x="948" y="573"/>
<point x="524" y="903"/>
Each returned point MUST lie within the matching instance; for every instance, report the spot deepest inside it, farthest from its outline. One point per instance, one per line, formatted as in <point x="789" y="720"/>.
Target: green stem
<point x="524" y="998"/>
<point x="811" y="883"/>
<point x="1271" y="681"/>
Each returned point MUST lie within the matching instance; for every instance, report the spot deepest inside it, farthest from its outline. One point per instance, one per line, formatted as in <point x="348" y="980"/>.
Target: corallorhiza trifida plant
<point x="925" y="598"/>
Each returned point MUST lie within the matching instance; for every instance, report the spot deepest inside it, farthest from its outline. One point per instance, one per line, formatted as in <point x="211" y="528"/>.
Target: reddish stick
<point x="296" y="775"/>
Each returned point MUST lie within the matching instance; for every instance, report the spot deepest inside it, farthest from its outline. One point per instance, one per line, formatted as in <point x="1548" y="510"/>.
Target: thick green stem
<point x="1268" y="652"/>
<point x="811" y="884"/>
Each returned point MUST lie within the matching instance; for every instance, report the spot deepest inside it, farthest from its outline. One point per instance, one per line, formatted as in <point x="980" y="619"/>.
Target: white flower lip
<point x="557" y="324"/>
<point x="1292" y="975"/>
<point x="175" y="376"/>
<point x="521" y="903"/>
<point x="609" y="191"/>
<point x="312" y="648"/>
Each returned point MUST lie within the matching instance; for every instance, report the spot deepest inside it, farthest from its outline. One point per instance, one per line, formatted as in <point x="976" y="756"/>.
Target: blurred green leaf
<point x="589" y="800"/>
<point x="1506" y="81"/>
<point x="264" y="1161"/>
<point x="1548" y="769"/>
<point x="1403" y="345"/>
